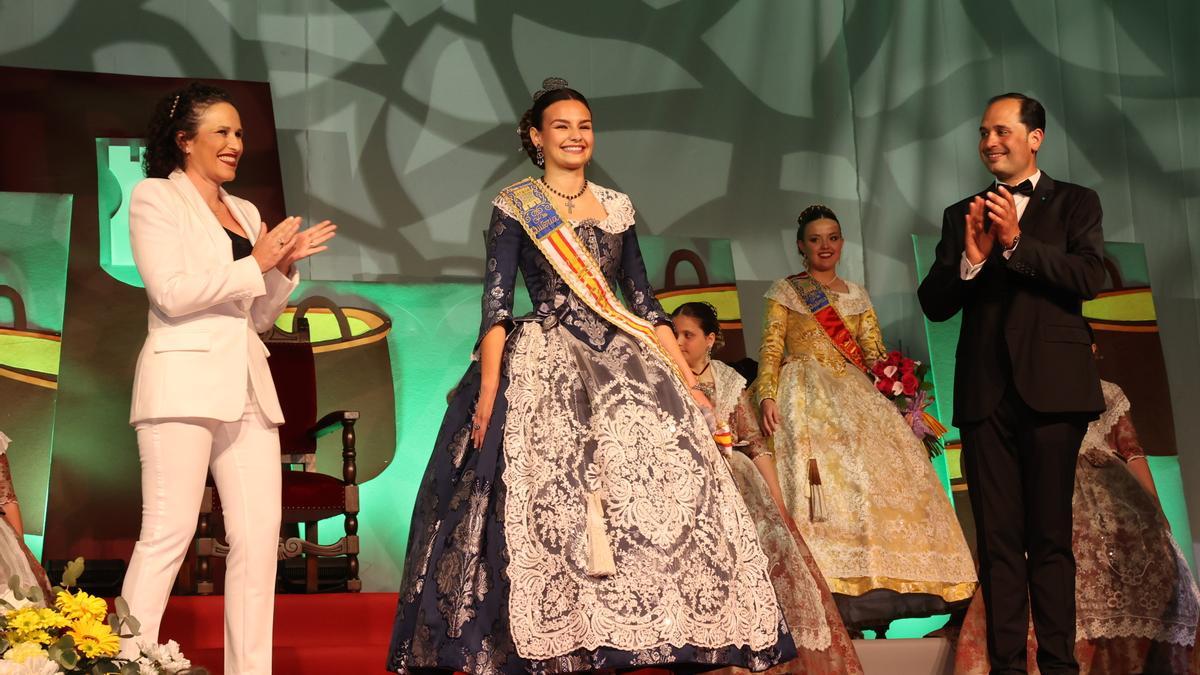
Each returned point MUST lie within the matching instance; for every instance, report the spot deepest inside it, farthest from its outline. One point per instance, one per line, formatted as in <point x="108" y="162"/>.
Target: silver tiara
<point x="173" y="104"/>
<point x="548" y="85"/>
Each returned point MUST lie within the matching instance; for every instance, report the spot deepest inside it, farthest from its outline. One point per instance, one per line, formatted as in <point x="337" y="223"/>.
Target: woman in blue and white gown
<point x="562" y="406"/>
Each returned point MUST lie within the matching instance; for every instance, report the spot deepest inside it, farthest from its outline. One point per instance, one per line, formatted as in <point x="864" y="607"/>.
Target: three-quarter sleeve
<point x="770" y="353"/>
<point x="1123" y="438"/>
<point x="504" y="238"/>
<point x="635" y="283"/>
<point x="870" y="337"/>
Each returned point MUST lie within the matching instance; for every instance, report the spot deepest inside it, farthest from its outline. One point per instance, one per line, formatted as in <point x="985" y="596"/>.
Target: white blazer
<point x="206" y="310"/>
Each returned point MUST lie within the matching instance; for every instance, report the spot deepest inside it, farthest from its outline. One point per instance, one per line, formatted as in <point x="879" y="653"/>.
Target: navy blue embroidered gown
<point x="496" y="577"/>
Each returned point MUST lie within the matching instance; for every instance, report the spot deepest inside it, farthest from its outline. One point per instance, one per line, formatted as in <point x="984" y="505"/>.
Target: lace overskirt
<point x="496" y="579"/>
<point x="889" y="524"/>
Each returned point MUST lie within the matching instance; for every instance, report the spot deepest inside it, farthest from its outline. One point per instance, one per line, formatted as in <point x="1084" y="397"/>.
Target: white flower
<point x="889" y="372"/>
<point x="897" y="388"/>
<point x="24" y="651"/>
<point x="161" y="658"/>
<point x="38" y="665"/>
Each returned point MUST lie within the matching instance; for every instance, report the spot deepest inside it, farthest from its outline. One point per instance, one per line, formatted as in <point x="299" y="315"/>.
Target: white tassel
<point x="600" y="556"/>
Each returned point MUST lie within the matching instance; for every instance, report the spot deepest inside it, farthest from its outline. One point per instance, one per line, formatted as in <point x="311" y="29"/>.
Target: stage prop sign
<point x="34" y="230"/>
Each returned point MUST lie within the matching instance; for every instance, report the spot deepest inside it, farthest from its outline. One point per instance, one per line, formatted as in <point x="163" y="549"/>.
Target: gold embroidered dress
<point x="889" y="525"/>
<point x="497" y="577"/>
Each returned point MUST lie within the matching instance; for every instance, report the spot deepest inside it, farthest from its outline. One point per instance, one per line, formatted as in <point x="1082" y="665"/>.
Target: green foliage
<point x="63" y="653"/>
<point x="72" y="573"/>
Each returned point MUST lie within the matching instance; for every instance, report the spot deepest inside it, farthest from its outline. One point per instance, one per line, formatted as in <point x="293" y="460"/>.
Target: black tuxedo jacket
<point x="1022" y="317"/>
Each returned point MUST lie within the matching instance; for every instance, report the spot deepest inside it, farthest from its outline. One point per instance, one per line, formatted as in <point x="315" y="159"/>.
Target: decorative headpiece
<point x="173" y="105"/>
<point x="813" y="212"/>
<point x="548" y="85"/>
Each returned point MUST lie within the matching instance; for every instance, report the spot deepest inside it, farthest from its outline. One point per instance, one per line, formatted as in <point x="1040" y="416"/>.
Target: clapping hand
<point x="306" y="243"/>
<point x="978" y="240"/>
<point x="272" y="246"/>
<point x="1002" y="212"/>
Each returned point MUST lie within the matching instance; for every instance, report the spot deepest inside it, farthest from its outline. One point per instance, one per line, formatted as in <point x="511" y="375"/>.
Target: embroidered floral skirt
<point x="890" y="545"/>
<point x="1136" y="605"/>
<point x="823" y="646"/>
<point x="497" y="576"/>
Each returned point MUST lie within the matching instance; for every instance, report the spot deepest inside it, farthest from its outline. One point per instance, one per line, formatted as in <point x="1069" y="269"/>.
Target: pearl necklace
<point x="823" y="284"/>
<point x="570" y="199"/>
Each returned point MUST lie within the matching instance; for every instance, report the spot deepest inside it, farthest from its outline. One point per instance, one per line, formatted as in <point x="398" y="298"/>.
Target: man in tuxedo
<point x="1018" y="260"/>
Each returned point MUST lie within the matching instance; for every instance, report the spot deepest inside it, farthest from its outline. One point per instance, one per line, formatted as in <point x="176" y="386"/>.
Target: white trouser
<point x="244" y="458"/>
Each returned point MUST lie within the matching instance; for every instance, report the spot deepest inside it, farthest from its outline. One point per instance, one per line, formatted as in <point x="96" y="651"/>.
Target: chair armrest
<point x="344" y="419"/>
<point x="331" y="422"/>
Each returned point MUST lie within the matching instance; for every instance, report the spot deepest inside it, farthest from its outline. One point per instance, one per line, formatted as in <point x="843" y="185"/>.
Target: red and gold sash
<point x="574" y="263"/>
<point x="814" y="297"/>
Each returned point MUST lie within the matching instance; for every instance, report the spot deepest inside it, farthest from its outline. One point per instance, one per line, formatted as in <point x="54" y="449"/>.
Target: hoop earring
<point x="540" y="159"/>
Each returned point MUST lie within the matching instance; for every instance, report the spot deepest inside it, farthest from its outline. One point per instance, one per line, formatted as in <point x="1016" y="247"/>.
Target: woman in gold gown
<point x="822" y="644"/>
<point x="855" y="478"/>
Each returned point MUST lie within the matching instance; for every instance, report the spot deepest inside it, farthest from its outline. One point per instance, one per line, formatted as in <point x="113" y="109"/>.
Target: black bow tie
<point x="1025" y="187"/>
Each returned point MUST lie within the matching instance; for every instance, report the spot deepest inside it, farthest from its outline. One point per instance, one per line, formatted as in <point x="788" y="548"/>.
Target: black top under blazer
<point x="1022" y="317"/>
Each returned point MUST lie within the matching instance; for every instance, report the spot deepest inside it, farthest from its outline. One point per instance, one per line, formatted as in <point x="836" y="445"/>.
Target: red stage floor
<point x="348" y="634"/>
<point x="326" y="634"/>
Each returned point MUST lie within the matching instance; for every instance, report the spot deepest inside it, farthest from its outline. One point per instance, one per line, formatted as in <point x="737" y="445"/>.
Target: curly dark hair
<point x="705" y="315"/>
<point x="177" y="111"/>
<point x="812" y="213"/>
<point x="554" y="89"/>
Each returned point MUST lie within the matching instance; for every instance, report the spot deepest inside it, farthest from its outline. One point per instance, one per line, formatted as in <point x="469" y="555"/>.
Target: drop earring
<point x="540" y="160"/>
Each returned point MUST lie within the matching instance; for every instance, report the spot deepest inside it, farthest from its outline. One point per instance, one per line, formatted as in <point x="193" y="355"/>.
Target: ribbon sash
<point x="828" y="318"/>
<point x="575" y="265"/>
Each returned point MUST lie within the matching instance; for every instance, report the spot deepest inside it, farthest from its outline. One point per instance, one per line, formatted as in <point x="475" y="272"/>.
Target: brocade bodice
<point x="791" y="333"/>
<point x="612" y="243"/>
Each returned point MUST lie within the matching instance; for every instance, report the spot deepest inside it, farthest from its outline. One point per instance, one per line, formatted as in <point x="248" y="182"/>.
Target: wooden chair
<point x="308" y="496"/>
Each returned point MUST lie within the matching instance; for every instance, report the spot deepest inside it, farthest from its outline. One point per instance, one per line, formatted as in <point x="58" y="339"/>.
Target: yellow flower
<point x="24" y="620"/>
<point x="95" y="639"/>
<point x="25" y="650"/>
<point x="38" y="636"/>
<point x="81" y="606"/>
<point x="52" y="619"/>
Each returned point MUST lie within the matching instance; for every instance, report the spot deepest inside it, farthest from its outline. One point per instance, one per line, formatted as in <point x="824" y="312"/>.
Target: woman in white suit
<point x="203" y="397"/>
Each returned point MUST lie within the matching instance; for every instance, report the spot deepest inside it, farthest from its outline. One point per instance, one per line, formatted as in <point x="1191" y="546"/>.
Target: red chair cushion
<point x="303" y="490"/>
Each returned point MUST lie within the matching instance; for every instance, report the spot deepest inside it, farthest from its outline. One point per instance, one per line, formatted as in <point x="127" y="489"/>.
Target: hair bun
<point x="548" y="85"/>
